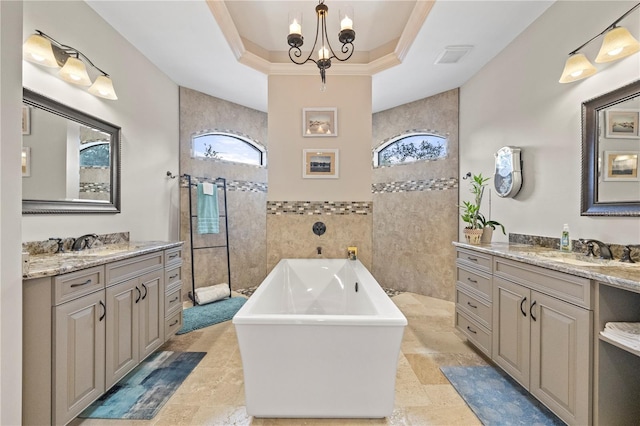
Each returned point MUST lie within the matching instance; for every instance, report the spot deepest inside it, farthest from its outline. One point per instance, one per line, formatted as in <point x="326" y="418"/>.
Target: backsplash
<point x="577" y="246"/>
<point x="50" y="246"/>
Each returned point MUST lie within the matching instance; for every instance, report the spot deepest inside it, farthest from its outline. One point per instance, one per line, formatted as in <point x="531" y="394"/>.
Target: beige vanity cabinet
<point x="84" y="330"/>
<point x="135" y="321"/>
<point x="474" y="297"/>
<point x="542" y="335"/>
<point x="79" y="354"/>
<point x="173" y="291"/>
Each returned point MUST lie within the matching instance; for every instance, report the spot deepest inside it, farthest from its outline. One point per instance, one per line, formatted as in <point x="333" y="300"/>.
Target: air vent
<point x="453" y="54"/>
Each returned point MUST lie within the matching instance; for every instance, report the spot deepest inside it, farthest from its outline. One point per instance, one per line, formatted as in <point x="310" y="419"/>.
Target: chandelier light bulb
<point x="346" y="23"/>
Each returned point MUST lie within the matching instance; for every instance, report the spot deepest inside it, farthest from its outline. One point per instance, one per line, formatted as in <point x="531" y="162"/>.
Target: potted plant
<point x="470" y="211"/>
<point x="488" y="226"/>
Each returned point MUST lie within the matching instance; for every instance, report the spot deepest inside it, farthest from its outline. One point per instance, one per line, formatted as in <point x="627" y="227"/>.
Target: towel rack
<point x="190" y="184"/>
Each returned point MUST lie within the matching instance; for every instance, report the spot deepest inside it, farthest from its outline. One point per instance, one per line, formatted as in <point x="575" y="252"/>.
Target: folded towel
<point x="632" y="343"/>
<point x="207" y="188"/>
<point x="208" y="213"/>
<point x="212" y="293"/>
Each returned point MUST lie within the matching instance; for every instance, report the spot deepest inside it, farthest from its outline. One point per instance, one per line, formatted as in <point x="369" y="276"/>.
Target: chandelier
<point x="325" y="51"/>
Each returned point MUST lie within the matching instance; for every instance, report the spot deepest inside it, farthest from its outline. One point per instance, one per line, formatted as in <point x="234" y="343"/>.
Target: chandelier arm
<point x="297" y="53"/>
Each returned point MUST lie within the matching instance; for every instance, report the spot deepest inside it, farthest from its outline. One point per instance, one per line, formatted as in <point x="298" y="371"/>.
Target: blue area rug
<point x="141" y="393"/>
<point x="497" y="399"/>
<point x="212" y="313"/>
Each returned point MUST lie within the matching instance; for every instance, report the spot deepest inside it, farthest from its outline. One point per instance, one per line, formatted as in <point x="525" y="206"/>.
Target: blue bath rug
<point x="212" y="313"/>
<point x="497" y="399"/>
<point x="142" y="393"/>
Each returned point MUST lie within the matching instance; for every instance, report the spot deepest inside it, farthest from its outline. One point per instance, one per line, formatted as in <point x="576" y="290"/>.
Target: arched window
<point x="95" y="154"/>
<point x="228" y="147"/>
<point x="410" y="147"/>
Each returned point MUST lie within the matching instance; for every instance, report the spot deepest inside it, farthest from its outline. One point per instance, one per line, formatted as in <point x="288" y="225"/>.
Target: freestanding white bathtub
<point x="319" y="338"/>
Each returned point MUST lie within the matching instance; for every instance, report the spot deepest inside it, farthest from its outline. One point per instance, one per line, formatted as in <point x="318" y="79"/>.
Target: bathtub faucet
<point x="319" y="249"/>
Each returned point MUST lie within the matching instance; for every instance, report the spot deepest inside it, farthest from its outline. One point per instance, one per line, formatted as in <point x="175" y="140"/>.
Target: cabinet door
<point x="79" y="355"/>
<point x="151" y="312"/>
<point x="560" y="357"/>
<point x="122" y="330"/>
<point x="511" y="331"/>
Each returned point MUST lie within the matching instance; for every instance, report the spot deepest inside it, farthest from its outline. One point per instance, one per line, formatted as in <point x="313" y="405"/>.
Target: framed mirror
<point x="611" y="153"/>
<point x="70" y="160"/>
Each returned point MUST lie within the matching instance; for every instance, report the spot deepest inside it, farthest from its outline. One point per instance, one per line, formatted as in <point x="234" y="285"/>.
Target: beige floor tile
<point x="426" y="369"/>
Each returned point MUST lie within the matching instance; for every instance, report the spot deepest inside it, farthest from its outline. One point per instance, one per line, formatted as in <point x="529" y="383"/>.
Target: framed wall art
<point x="320" y="164"/>
<point x="319" y="122"/>
<point x="621" y="165"/>
<point x="622" y="123"/>
<point x="26" y="120"/>
<point x="26" y="162"/>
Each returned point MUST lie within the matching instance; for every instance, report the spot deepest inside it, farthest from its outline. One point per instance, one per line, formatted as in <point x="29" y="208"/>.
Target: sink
<point x="578" y="259"/>
<point x="94" y="252"/>
<point x="575" y="262"/>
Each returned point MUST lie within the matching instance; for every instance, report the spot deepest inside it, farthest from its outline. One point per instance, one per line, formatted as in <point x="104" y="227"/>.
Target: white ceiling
<point x="184" y="40"/>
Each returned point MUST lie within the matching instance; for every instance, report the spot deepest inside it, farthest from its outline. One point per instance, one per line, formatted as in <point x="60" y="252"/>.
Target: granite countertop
<point x="47" y="265"/>
<point x="611" y="272"/>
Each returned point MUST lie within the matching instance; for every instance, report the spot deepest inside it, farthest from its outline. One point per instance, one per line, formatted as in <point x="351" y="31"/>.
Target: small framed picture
<point x="622" y="123"/>
<point x="320" y="164"/>
<point x="26" y="120"/>
<point x="621" y="166"/>
<point x="319" y="122"/>
<point x="26" y="162"/>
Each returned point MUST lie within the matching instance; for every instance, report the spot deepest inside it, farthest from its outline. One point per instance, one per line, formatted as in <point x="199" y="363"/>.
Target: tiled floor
<point x="213" y="394"/>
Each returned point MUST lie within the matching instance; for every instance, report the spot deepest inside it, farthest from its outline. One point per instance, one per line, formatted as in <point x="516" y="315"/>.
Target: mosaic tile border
<point x="440" y="184"/>
<point x="337" y="208"/>
<point x="232" y="185"/>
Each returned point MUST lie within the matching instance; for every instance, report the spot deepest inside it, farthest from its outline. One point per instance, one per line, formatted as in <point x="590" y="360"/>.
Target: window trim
<point x="241" y="137"/>
<point x="390" y="141"/>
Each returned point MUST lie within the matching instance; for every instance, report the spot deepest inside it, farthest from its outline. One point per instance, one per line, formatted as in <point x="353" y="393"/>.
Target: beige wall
<point x="413" y="227"/>
<point x="146" y="110"/>
<point x="516" y="100"/>
<point x="289" y="234"/>
<point x="246" y="196"/>
<point x="10" y="208"/>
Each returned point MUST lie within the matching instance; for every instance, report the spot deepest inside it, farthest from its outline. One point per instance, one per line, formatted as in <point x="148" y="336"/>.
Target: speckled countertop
<point x="47" y="265"/>
<point x="611" y="272"/>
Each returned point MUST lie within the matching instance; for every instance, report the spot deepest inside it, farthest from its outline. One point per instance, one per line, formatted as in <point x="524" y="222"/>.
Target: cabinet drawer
<point x="133" y="267"/>
<point x="472" y="258"/>
<point x="475" y="280"/>
<point x="75" y="284"/>
<point x="173" y="324"/>
<point x="173" y="275"/>
<point x="572" y="289"/>
<point x="172" y="301"/>
<point x="173" y="256"/>
<point x="478" y="309"/>
<point x="474" y="332"/>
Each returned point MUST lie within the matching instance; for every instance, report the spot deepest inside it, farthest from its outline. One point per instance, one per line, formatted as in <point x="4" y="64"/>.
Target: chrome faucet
<point x="83" y="242"/>
<point x="605" y="250"/>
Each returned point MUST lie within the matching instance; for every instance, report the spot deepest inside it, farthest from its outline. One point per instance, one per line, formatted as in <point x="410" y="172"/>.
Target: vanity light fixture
<point x="618" y="43"/>
<point x="45" y="51"/>
<point x="346" y="36"/>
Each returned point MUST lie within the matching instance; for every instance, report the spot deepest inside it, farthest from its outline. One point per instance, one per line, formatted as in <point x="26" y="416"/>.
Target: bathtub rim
<point x="388" y="313"/>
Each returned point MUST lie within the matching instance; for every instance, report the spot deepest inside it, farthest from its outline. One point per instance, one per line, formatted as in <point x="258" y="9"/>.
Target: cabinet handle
<point x="146" y="290"/>
<point x="173" y="276"/>
<point x="531" y="310"/>
<point x="139" y="294"/>
<point x="104" y="311"/>
<point x="471" y="330"/>
<point x="173" y="256"/>
<point x="174" y="323"/>
<point x="473" y="259"/>
<point x="173" y="300"/>
<point x="473" y="306"/>
<point x="81" y="284"/>
<point x="524" y="314"/>
<point x="471" y="280"/>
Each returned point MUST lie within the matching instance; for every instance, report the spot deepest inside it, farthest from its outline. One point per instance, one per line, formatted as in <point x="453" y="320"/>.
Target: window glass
<point x="228" y="147"/>
<point x="95" y="154"/>
<point x="408" y="148"/>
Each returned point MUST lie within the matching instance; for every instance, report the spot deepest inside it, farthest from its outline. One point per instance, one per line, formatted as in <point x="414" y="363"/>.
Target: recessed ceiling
<point x="226" y="48"/>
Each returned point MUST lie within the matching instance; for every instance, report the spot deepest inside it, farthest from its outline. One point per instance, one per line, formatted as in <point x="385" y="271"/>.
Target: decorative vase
<point x="473" y="236"/>
<point x="487" y="235"/>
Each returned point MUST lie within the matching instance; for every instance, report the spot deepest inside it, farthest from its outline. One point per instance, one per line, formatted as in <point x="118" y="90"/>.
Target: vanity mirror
<point x="70" y="160"/>
<point x="611" y="153"/>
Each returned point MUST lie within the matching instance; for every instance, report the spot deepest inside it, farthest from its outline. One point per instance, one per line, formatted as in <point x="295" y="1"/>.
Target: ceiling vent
<point x="453" y="54"/>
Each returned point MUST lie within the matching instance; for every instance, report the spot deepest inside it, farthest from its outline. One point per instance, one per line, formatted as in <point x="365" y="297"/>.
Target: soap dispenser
<point x="565" y="240"/>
